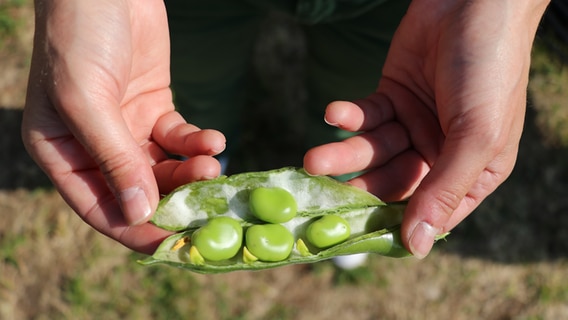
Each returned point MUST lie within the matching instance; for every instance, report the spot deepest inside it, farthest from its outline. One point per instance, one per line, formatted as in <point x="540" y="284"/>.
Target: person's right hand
<point x="99" y="117"/>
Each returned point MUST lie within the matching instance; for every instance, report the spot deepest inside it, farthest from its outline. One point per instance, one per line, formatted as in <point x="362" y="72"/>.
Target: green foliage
<point x="280" y="312"/>
<point x="9" y="23"/>
<point x="8" y="250"/>
<point x="356" y="277"/>
<point x="174" y="296"/>
<point x="549" y="78"/>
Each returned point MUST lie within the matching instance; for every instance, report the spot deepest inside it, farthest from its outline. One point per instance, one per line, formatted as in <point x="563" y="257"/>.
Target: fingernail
<point x="309" y="174"/>
<point x="135" y="205"/>
<point x="422" y="239"/>
<point x="329" y="122"/>
<point x="219" y="149"/>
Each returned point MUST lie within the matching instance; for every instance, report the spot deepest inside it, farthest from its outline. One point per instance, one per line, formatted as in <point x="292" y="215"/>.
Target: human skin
<point x="444" y="124"/>
<point x="99" y="116"/>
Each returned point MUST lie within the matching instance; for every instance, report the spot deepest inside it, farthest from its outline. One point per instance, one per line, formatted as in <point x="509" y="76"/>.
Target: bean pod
<point x="374" y="226"/>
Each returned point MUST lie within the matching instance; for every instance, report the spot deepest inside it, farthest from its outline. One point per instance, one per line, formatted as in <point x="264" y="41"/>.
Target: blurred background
<point x="508" y="260"/>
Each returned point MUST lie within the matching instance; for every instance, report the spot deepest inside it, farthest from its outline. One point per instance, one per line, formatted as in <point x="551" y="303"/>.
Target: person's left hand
<point x="445" y="122"/>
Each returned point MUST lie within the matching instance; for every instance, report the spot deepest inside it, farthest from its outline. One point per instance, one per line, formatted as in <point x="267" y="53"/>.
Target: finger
<point x="357" y="153"/>
<point x="360" y="115"/>
<point x="82" y="185"/>
<point x="93" y="140"/>
<point x="418" y="115"/>
<point x="171" y="174"/>
<point x="397" y="179"/>
<point x="144" y="238"/>
<point x="446" y="191"/>
<point x="97" y="123"/>
<point x="105" y="215"/>
<point x="176" y="136"/>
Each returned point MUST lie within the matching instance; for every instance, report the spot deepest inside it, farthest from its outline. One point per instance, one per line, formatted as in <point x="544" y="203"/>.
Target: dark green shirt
<point x="314" y="11"/>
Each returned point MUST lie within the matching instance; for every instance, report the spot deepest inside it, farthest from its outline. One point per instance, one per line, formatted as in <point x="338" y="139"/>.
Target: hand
<point x="445" y="122"/>
<point x="99" y="117"/>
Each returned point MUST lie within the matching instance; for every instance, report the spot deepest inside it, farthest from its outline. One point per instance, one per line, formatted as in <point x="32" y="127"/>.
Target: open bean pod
<point x="373" y="225"/>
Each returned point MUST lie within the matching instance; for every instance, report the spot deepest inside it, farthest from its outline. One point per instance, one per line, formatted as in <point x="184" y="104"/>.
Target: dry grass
<point x="54" y="267"/>
<point x="507" y="261"/>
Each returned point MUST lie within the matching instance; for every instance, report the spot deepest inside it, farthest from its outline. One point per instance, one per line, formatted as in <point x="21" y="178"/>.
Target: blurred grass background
<point x="508" y="260"/>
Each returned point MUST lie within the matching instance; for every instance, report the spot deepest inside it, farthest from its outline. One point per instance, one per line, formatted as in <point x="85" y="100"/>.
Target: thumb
<point x="455" y="185"/>
<point x="122" y="162"/>
<point x="99" y="125"/>
<point x="129" y="176"/>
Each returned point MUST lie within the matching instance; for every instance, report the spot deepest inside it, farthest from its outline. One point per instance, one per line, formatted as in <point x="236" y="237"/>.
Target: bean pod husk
<point x="375" y="226"/>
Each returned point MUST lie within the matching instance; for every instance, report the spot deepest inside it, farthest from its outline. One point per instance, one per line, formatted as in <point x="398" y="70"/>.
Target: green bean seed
<point x="273" y="205"/>
<point x="269" y="242"/>
<point x="218" y="240"/>
<point x="328" y="231"/>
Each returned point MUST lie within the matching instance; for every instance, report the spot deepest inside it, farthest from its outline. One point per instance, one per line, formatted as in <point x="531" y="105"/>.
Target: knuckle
<point x="446" y="202"/>
<point x="116" y="165"/>
<point x="492" y="140"/>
